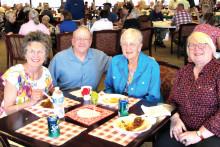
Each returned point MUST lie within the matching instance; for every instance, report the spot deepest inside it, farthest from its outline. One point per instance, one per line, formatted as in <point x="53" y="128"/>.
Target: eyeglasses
<point x="80" y="39"/>
<point x="33" y="52"/>
<point x="200" y="45"/>
<point x="132" y="45"/>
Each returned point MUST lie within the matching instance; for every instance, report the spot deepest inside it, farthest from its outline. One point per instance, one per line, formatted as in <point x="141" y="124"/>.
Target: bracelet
<point x="17" y="107"/>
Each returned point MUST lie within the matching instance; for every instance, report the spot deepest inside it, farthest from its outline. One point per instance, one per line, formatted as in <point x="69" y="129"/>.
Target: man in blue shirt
<point x="77" y="9"/>
<point x="79" y="65"/>
<point x="112" y="16"/>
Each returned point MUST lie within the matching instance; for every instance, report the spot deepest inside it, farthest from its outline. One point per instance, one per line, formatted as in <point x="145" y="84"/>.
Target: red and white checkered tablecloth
<point x="44" y="112"/>
<point x="39" y="130"/>
<point x="132" y="101"/>
<point x="107" y="132"/>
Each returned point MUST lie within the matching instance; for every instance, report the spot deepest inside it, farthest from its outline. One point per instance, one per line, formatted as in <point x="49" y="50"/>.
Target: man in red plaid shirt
<point x="181" y="17"/>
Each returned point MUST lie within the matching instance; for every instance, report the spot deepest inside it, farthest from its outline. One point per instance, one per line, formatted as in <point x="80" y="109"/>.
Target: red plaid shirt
<point x="181" y="17"/>
<point x="198" y="101"/>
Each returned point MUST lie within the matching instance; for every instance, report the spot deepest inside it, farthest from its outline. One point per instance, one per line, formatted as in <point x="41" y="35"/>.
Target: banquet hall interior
<point x="172" y="51"/>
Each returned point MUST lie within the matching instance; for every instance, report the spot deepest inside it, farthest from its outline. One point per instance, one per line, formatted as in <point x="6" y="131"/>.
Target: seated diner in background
<point x="24" y="83"/>
<point x="79" y="65"/>
<point x="67" y="25"/>
<point x="126" y="11"/>
<point x="208" y="27"/>
<point x="45" y="21"/>
<point x="11" y="27"/>
<point x="156" y="15"/>
<point x="134" y="73"/>
<point x="196" y="95"/>
<point x="180" y="17"/>
<point x="33" y="24"/>
<point x="132" y="20"/>
<point x="102" y="24"/>
<point x="205" y="9"/>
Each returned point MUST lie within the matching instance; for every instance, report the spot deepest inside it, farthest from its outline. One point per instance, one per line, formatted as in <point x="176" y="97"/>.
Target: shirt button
<point x="210" y="88"/>
<point x="142" y="82"/>
<point x="114" y="77"/>
<point x="132" y="88"/>
<point x="199" y="87"/>
<point x="186" y="94"/>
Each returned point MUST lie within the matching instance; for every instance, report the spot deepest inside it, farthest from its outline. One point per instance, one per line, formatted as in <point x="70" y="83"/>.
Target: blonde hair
<point x="202" y="38"/>
<point x="33" y="14"/>
<point x="132" y="33"/>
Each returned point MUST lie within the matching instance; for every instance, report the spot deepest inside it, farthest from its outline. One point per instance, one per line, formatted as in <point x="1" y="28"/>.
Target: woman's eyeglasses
<point x="193" y="46"/>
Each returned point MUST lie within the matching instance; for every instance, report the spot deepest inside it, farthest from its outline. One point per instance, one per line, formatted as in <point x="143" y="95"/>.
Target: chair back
<point x="146" y="24"/>
<point x="143" y="18"/>
<point x="6" y="44"/>
<point x="107" y="41"/>
<point x="147" y="34"/>
<point x="186" y="30"/>
<point x="1" y="88"/>
<point x="15" y="42"/>
<point x="64" y="41"/>
<point x="167" y="76"/>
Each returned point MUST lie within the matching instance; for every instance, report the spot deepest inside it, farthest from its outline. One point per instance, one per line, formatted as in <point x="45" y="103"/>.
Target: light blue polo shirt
<point x="68" y="72"/>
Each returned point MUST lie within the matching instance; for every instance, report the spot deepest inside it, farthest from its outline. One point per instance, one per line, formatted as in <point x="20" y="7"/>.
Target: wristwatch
<point x="199" y="133"/>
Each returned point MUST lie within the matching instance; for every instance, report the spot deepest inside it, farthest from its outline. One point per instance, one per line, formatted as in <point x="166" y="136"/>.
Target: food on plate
<point x="134" y="125"/>
<point x="47" y="104"/>
<point x="113" y="100"/>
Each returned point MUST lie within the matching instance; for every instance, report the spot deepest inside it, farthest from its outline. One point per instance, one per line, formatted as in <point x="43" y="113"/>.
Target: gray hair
<point x="33" y="14"/>
<point x="37" y="36"/>
<point x="203" y="38"/>
<point x="156" y="6"/>
<point x="9" y="14"/>
<point x="46" y="7"/>
<point x="206" y="8"/>
<point x="46" y="17"/>
<point x="135" y="13"/>
<point x="132" y="33"/>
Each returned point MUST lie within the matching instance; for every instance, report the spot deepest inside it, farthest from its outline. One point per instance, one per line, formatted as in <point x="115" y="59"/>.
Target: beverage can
<point x="123" y="107"/>
<point x="53" y="126"/>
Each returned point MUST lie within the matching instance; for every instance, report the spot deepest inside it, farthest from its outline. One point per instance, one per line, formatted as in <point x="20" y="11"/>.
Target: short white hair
<point x="202" y="38"/>
<point x="132" y="33"/>
<point x="135" y="13"/>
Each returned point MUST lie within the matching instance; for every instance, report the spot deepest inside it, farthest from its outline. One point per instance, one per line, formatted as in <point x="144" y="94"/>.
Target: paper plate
<point x="110" y="99"/>
<point x="119" y="126"/>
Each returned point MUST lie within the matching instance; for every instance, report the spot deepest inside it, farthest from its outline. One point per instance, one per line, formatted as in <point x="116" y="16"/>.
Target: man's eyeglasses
<point x="200" y="45"/>
<point x="80" y="39"/>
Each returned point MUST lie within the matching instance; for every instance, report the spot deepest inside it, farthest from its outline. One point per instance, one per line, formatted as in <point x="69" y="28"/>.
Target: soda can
<point x="53" y="126"/>
<point x="123" y="107"/>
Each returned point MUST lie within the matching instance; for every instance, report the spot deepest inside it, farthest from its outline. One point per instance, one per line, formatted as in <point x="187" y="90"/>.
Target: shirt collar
<point x="72" y="56"/>
<point x="181" y="10"/>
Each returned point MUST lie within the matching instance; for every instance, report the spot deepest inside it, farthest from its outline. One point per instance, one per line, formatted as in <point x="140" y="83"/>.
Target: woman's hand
<point x="189" y="137"/>
<point x="176" y="127"/>
<point x="36" y="96"/>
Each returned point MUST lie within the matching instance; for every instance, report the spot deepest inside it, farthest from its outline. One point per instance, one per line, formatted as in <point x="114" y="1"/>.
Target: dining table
<point x="89" y="135"/>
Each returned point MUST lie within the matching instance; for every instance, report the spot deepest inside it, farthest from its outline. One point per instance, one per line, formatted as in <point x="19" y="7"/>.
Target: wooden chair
<point x="1" y="88"/>
<point x="184" y="31"/>
<point x="64" y="40"/>
<point x="7" y="46"/>
<point x="143" y="18"/>
<point x="147" y="34"/>
<point x="107" y="41"/>
<point x="15" y="47"/>
<point x="167" y="76"/>
<point x="146" y="24"/>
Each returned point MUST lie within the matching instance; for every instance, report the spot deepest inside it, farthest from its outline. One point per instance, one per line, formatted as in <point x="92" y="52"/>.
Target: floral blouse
<point x="19" y="77"/>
